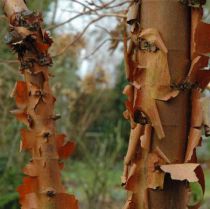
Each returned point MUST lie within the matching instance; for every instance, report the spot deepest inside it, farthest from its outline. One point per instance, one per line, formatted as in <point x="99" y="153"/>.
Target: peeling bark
<point x="42" y="187"/>
<point x="166" y="65"/>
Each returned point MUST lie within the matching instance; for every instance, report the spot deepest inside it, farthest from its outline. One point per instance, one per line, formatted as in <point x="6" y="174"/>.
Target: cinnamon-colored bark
<point x="165" y="64"/>
<point x="173" y="22"/>
<point x="42" y="187"/>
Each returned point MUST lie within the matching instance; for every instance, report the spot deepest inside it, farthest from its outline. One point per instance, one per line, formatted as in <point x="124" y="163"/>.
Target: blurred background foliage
<point x="91" y="111"/>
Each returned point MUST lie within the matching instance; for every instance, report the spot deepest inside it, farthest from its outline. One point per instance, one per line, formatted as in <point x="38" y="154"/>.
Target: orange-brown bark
<point x="42" y="187"/>
<point x="165" y="90"/>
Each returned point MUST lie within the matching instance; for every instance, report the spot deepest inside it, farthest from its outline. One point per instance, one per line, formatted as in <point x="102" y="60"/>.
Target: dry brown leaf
<point x="181" y="172"/>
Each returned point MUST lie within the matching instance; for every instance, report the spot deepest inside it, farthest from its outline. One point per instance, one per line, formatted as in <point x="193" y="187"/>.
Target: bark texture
<point x="165" y="63"/>
<point x="42" y="187"/>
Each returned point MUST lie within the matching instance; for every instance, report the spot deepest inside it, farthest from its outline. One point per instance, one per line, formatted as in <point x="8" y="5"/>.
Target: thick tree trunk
<point x="172" y="20"/>
<point x="42" y="188"/>
<point x="164" y="105"/>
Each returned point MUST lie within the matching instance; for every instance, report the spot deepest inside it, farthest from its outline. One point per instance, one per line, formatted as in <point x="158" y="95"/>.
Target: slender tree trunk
<point x="42" y="188"/>
<point x="163" y="106"/>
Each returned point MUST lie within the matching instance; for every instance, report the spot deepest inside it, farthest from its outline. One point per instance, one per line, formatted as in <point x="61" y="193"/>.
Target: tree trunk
<point x="172" y="20"/>
<point x="163" y="106"/>
<point x="42" y="188"/>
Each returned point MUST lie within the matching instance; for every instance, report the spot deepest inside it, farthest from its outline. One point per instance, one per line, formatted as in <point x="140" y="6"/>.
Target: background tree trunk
<point x="42" y="188"/>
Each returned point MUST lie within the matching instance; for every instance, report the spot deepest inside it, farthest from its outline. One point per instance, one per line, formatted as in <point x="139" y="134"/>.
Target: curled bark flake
<point x="205" y="103"/>
<point x="146" y="138"/>
<point x="134" y="139"/>
<point x="129" y="92"/>
<point x="66" y="201"/>
<point x="23" y="117"/>
<point x="20" y="92"/>
<point x="181" y="172"/>
<point x="193" y="141"/>
<point x="130" y="64"/>
<point x="155" y="177"/>
<point x="155" y="69"/>
<point x="160" y="153"/>
<point x="196" y="114"/>
<point x="29" y="185"/>
<point x="202" y="38"/>
<point x="199" y="72"/>
<point x="28" y="139"/>
<point x="65" y="149"/>
<point x="147" y="105"/>
<point x="130" y="202"/>
<point x="133" y="13"/>
<point x="131" y="183"/>
<point x="31" y="169"/>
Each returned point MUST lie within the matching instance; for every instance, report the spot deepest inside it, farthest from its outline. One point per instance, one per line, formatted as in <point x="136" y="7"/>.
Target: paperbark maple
<point x="164" y="103"/>
<point x="42" y="188"/>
